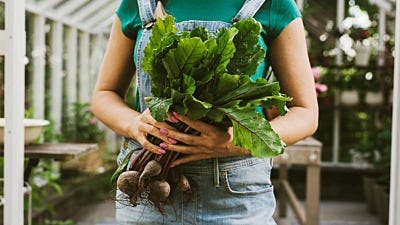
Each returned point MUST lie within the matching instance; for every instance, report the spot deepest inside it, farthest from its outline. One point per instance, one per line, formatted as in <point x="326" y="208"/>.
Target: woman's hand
<point x="143" y="125"/>
<point x="212" y="142"/>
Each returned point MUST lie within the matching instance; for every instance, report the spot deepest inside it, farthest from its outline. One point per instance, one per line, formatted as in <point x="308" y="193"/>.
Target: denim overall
<point x="225" y="191"/>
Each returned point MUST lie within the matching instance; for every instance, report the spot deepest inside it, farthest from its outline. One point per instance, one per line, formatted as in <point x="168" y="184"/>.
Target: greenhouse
<point x="57" y="154"/>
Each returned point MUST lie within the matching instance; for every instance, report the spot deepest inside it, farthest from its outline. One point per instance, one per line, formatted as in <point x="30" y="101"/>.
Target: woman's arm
<point x="289" y="59"/>
<point x="116" y="72"/>
<point x="108" y="103"/>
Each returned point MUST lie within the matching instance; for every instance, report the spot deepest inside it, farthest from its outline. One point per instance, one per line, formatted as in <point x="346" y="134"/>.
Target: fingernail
<point x="163" y="145"/>
<point x="171" y="166"/>
<point x="174" y="119"/>
<point x="161" y="151"/>
<point x="175" y="114"/>
<point x="173" y="141"/>
<point x="163" y="131"/>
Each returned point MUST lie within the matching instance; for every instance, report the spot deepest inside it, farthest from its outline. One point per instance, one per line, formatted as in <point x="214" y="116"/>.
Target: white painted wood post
<point x="381" y="40"/>
<point x="394" y="214"/>
<point x="300" y="4"/>
<point x="56" y="74"/>
<point x="84" y="86"/>
<point x="339" y="60"/>
<point x="3" y="37"/>
<point x="72" y="66"/>
<point x="38" y="63"/>
<point x="96" y="56"/>
<point x="14" y="112"/>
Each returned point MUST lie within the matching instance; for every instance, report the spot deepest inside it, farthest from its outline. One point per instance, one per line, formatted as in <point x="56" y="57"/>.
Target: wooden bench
<point x="57" y="151"/>
<point x="307" y="153"/>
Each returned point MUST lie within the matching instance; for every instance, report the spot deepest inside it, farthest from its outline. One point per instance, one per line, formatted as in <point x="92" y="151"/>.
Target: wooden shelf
<point x="58" y="151"/>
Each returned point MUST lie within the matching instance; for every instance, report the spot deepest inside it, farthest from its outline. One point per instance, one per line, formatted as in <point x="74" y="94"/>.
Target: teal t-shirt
<point x="274" y="15"/>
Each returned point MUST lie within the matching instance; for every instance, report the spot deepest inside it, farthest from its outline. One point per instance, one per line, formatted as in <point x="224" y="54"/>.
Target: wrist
<point x="131" y="125"/>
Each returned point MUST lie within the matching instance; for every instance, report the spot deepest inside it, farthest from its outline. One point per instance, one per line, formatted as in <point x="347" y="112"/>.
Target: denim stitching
<point x="227" y="183"/>
<point x="249" y="9"/>
<point x="146" y="11"/>
<point x="207" y="167"/>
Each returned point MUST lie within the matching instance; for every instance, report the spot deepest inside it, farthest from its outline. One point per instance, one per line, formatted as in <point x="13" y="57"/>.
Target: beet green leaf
<point x="207" y="77"/>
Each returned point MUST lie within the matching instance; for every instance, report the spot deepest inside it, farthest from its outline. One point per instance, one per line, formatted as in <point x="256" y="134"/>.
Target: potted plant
<point x="349" y="94"/>
<point x="374" y="98"/>
<point x="364" y="155"/>
<point x="372" y="85"/>
<point x="377" y="149"/>
<point x="381" y="188"/>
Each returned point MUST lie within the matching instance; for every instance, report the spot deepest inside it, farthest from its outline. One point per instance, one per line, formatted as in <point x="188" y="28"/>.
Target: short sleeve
<point x="281" y="13"/>
<point x="128" y="13"/>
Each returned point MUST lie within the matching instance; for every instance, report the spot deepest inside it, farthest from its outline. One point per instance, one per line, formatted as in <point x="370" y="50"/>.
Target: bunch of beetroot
<point x="150" y="176"/>
<point x="205" y="77"/>
<point x="149" y="183"/>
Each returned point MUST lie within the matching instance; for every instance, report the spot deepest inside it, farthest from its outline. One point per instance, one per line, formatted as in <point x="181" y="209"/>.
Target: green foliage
<point x="45" y="174"/>
<point x="208" y="78"/>
<point x="82" y="126"/>
<point x="383" y="143"/>
<point x="122" y="167"/>
<point x="352" y="78"/>
<point x="251" y="134"/>
<point x="247" y="49"/>
<point x="59" y="222"/>
<point x="2" y="15"/>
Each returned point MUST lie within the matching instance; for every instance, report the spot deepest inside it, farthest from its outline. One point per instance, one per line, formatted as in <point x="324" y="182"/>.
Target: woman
<point x="230" y="186"/>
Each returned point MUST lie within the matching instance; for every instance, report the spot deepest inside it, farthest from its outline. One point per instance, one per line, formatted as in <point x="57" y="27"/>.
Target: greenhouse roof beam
<point x="44" y="4"/>
<point x="69" y="7"/>
<point x="89" y="9"/>
<point x="92" y="22"/>
<point x="50" y="14"/>
<point x="383" y="4"/>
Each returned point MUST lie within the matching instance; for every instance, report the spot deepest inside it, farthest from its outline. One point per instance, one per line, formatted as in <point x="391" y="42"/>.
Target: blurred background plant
<point x="320" y="86"/>
<point x="383" y="144"/>
<point x="82" y="125"/>
<point x="45" y="177"/>
<point x="59" y="222"/>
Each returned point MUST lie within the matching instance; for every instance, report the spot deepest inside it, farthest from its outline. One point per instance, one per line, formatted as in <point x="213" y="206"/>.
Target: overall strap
<point x="146" y="11"/>
<point x="249" y="9"/>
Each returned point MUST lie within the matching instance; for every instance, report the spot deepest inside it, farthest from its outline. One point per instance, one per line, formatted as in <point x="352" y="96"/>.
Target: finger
<point x="149" y="146"/>
<point x="148" y="118"/>
<point x="190" y="150"/>
<point x="158" y="133"/>
<point x="195" y="124"/>
<point x="190" y="158"/>
<point x="172" y="118"/>
<point x="185" y="138"/>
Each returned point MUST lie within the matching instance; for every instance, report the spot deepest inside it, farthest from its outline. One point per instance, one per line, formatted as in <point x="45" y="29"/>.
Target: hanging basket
<point x="349" y="97"/>
<point x="363" y="54"/>
<point x="374" y="98"/>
